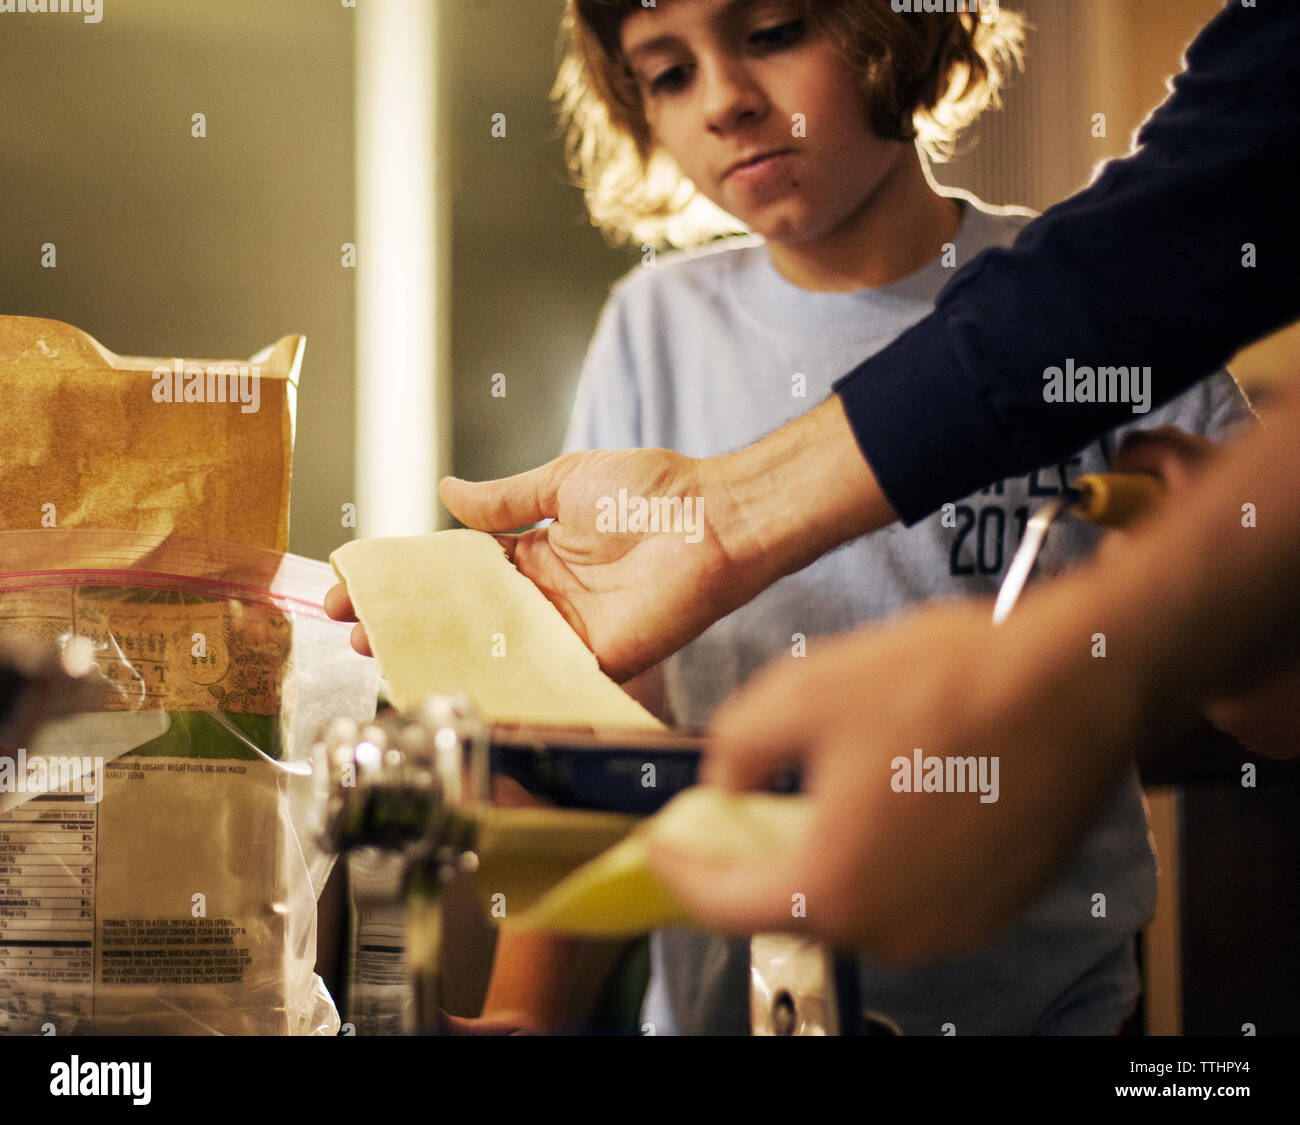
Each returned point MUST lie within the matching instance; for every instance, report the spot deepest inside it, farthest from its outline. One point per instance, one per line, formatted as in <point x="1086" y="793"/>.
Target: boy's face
<point x="759" y="110"/>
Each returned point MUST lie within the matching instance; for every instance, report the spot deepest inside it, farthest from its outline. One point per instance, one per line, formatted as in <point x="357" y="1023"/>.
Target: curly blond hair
<point x="925" y="78"/>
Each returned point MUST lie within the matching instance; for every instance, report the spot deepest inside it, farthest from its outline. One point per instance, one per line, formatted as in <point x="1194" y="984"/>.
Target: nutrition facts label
<point x="47" y="915"/>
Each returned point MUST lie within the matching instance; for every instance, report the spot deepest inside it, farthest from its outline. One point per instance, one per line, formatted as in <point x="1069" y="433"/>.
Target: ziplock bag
<point x="165" y="881"/>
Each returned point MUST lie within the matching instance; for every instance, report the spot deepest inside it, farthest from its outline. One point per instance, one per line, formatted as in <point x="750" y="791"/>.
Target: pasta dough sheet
<point x="525" y="852"/>
<point x="616" y="894"/>
<point x="448" y="612"/>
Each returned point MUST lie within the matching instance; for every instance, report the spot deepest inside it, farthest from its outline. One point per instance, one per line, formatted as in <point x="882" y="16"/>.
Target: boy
<point x="798" y="119"/>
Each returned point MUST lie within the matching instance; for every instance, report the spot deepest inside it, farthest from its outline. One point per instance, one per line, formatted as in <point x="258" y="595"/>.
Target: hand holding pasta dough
<point x="911" y="877"/>
<point x="634" y="589"/>
<point x="647" y="548"/>
<point x="632" y="586"/>
<point x="638" y="593"/>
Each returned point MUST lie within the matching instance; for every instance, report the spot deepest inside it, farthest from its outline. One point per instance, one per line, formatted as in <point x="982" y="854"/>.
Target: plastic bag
<point x="169" y="887"/>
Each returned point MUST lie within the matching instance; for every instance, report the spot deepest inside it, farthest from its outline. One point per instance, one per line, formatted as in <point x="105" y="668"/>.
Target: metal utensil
<point x="1106" y="499"/>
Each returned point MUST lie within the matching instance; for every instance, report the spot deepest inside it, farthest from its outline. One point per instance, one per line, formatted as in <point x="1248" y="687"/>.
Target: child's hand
<point x="487" y="1025"/>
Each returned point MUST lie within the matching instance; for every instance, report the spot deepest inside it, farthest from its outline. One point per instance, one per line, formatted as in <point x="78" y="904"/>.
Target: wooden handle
<point x="1116" y="499"/>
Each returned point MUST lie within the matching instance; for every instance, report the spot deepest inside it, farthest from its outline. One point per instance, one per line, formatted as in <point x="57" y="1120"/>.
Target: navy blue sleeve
<point x="1148" y="266"/>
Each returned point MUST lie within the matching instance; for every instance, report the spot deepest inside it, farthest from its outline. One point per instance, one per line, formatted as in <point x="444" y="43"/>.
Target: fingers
<point x="761" y="732"/>
<point x="508" y="544"/>
<point x="1168" y="452"/>
<point x="741" y="896"/>
<point x="508" y="1024"/>
<point x="505" y="504"/>
<point x="338" y="604"/>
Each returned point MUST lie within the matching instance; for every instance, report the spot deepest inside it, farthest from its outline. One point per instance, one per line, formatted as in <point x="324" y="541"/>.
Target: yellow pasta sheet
<point x="448" y="612"/>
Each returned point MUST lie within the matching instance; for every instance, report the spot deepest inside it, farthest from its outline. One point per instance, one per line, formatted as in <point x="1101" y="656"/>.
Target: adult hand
<point x="1175" y="456"/>
<point x="741" y="521"/>
<point x="632" y="595"/>
<point x="1265" y="718"/>
<point x="914" y="875"/>
<point x="339" y="606"/>
<point x="637" y="596"/>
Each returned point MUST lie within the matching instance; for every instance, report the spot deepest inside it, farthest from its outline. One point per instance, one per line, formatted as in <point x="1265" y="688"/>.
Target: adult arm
<point x="1198" y="608"/>
<point x="1148" y="267"/>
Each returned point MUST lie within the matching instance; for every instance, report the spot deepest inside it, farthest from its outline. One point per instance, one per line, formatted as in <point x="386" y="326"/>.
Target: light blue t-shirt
<point x="707" y="352"/>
